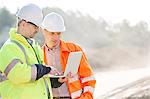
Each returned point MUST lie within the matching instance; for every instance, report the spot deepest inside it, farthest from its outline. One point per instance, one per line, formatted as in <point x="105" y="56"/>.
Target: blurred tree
<point x="142" y="34"/>
<point x="89" y="32"/>
<point x="7" y="19"/>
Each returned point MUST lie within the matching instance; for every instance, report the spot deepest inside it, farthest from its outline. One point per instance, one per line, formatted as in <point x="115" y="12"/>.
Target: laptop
<point x="72" y="64"/>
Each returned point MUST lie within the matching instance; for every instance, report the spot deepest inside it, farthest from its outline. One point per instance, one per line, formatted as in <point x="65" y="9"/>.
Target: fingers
<point x="70" y="75"/>
<point x="54" y="72"/>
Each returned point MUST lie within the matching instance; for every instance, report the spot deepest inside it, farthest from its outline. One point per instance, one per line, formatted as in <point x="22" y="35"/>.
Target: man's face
<point x="51" y="38"/>
<point x="32" y="29"/>
<point x="28" y="29"/>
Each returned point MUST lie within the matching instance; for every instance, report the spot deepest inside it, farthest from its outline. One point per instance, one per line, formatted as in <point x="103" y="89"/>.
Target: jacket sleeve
<point x="87" y="78"/>
<point x="86" y="95"/>
<point x="13" y="64"/>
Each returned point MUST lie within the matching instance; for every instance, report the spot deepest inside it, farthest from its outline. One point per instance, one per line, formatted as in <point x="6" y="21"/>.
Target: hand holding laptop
<point x="64" y="79"/>
<point x="53" y="71"/>
<point x="71" y="66"/>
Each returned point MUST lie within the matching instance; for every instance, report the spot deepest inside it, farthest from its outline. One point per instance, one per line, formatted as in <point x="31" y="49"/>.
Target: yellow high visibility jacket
<point x="17" y="59"/>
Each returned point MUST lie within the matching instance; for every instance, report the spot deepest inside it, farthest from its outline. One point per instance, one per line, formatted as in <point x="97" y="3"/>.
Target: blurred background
<point x="115" y="34"/>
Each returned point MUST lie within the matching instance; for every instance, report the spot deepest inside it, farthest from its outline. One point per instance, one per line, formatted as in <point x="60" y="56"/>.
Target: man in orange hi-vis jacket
<point x="56" y="51"/>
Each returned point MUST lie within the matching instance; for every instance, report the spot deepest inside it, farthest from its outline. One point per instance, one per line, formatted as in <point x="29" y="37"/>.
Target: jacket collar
<point x="62" y="45"/>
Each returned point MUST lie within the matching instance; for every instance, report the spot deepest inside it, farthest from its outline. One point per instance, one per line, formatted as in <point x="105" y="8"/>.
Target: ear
<point x="23" y="23"/>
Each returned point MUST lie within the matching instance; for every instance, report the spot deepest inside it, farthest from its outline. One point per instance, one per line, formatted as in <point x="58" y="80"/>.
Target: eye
<point x="53" y="33"/>
<point x="58" y="33"/>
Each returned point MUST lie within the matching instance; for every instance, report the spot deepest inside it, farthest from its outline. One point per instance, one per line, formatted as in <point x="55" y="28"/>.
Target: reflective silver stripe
<point x="2" y="77"/>
<point x="22" y="48"/>
<point x="33" y="72"/>
<point x="76" y="94"/>
<point x="75" y="78"/>
<point x="87" y="79"/>
<point x="11" y="65"/>
<point x="89" y="89"/>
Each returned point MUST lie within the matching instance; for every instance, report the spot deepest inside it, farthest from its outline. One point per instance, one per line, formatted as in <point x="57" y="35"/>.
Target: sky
<point x="112" y="11"/>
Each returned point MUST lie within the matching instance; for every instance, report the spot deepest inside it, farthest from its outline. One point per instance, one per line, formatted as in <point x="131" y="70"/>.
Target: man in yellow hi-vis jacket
<point x="21" y="59"/>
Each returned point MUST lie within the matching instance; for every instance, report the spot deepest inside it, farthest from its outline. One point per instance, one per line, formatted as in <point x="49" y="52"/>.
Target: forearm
<point x="22" y="73"/>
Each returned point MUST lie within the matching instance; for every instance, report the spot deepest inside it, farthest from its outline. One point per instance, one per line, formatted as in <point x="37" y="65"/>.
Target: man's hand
<point x="70" y="75"/>
<point x="64" y="79"/>
<point x="53" y="71"/>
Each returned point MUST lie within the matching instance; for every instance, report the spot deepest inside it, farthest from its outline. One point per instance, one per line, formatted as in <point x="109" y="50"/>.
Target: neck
<point x="49" y="45"/>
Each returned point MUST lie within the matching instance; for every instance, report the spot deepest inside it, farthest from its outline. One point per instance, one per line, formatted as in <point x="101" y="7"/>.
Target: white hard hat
<point x="31" y="13"/>
<point x="53" y="22"/>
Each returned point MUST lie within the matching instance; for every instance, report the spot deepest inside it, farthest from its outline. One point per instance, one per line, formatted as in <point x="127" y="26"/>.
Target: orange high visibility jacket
<point x="81" y="86"/>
